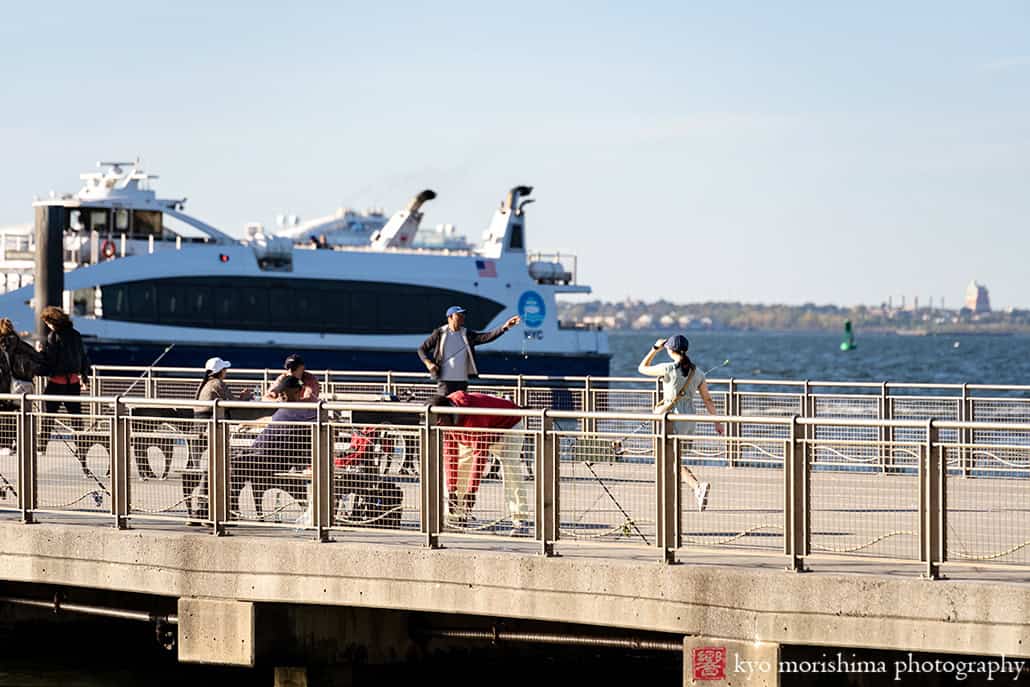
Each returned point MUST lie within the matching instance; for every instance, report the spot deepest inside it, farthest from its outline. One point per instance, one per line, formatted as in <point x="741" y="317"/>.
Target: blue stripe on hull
<point x="193" y="355"/>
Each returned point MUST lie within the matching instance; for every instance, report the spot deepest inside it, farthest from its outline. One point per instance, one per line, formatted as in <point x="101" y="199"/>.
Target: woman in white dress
<point x="681" y="380"/>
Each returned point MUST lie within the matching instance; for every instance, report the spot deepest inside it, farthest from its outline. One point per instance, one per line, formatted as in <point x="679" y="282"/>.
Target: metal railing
<point x="927" y="492"/>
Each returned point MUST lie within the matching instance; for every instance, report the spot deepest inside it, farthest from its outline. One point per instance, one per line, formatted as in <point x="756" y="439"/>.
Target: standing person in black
<point x="67" y="366"/>
<point x="19" y="363"/>
<point x="449" y="353"/>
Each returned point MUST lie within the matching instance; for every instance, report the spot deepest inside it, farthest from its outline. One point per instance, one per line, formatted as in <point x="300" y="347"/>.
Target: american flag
<point x="486" y="268"/>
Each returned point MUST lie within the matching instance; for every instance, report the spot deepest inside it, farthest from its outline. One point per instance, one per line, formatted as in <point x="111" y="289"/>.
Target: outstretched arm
<point x="480" y="338"/>
<point x="706" y="398"/>
<point x="645" y="367"/>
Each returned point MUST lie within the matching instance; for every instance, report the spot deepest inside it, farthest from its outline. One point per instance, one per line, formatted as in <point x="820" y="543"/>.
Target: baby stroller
<point x="376" y="501"/>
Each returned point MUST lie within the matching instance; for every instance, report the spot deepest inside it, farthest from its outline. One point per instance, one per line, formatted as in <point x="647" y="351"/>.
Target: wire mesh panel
<point x="9" y="485"/>
<point x="488" y="480"/>
<point x="846" y="406"/>
<point x="168" y="464"/>
<point x="1000" y="409"/>
<point x="608" y="484"/>
<point x="856" y="508"/>
<point x="73" y="462"/>
<point x="769" y="404"/>
<point x="625" y="400"/>
<point x="924" y="408"/>
<point x="348" y="386"/>
<point x="988" y="518"/>
<point x="376" y="480"/>
<point x="112" y="385"/>
<point x="724" y="506"/>
<point x="172" y="387"/>
<point x="270" y="471"/>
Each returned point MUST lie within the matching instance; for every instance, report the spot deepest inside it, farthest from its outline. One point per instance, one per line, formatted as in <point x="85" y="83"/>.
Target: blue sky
<point x="763" y="152"/>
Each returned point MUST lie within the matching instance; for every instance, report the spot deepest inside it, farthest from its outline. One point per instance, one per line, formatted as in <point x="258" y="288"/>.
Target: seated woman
<point x="283" y="445"/>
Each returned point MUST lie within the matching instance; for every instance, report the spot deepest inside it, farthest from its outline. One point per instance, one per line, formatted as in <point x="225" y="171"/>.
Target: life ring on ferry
<point x="107" y="249"/>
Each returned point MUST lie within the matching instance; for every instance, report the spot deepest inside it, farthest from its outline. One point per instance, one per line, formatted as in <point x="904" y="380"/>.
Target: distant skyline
<point x="778" y="153"/>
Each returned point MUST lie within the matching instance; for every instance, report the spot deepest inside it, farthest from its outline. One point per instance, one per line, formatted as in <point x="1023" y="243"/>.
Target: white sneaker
<point x="519" y="528"/>
<point x="701" y="494"/>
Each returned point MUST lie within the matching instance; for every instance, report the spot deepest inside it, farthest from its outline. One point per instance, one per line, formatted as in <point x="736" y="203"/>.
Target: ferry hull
<point x="260" y="357"/>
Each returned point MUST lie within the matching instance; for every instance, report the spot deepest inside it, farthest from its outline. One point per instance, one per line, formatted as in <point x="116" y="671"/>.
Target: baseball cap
<point x="677" y="343"/>
<point x="287" y="382"/>
<point x="294" y="361"/>
<point x="454" y="310"/>
<point x="216" y="365"/>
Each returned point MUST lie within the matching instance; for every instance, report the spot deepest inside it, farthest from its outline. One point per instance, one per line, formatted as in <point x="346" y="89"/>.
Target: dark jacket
<point x="64" y="354"/>
<point x="21" y="361"/>
<point x="432" y="348"/>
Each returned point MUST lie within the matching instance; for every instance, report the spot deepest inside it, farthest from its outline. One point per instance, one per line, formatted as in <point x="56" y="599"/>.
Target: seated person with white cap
<point x="213" y="387"/>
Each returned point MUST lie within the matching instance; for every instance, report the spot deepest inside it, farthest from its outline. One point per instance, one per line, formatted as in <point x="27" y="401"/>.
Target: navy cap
<point x="293" y="361"/>
<point x="677" y="343"/>
<point x="454" y="310"/>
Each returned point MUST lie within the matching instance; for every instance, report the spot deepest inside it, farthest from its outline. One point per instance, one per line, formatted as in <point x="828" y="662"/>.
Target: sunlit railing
<point x="926" y="492"/>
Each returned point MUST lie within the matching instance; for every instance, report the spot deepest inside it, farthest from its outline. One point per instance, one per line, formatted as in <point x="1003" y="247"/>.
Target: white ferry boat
<point x="139" y="273"/>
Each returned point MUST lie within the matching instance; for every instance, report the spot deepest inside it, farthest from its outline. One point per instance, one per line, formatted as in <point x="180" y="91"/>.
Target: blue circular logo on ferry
<point x="532" y="309"/>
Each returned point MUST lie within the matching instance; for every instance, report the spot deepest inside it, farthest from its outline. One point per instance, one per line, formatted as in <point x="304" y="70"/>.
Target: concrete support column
<point x="714" y="662"/>
<point x="216" y="631"/>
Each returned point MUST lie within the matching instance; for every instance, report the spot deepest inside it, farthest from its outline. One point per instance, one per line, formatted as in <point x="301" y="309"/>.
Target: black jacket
<point x="64" y="354"/>
<point x="432" y="348"/>
<point x="19" y="360"/>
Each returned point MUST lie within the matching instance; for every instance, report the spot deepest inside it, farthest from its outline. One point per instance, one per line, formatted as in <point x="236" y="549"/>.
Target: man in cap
<point x="295" y="367"/>
<point x="449" y="353"/>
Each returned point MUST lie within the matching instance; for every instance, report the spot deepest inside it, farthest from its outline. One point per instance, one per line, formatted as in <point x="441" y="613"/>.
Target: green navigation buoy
<point x="848" y="344"/>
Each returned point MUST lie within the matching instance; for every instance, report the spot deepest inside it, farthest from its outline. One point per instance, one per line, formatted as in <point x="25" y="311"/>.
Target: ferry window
<point x="281" y="304"/>
<point x="226" y="306"/>
<point x="200" y="308"/>
<point x="363" y="311"/>
<point x="335" y="307"/>
<point x="306" y="306"/>
<point x="516" y="242"/>
<point x="121" y="220"/>
<point x="98" y="220"/>
<point x="115" y="301"/>
<point x="170" y="303"/>
<point x="291" y="304"/>
<point x="254" y="306"/>
<point x="141" y="303"/>
<point x="146" y="223"/>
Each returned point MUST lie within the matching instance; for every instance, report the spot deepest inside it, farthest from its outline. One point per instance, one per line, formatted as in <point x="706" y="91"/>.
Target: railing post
<point x="669" y="492"/>
<point x="389" y="382"/>
<point x="884" y="413"/>
<point x="429" y="456"/>
<point x="120" y="429"/>
<point x="546" y="487"/>
<point x="931" y="503"/>
<point x="589" y="404"/>
<point x="796" y="498"/>
<point x="218" y="470"/>
<point x="322" y="475"/>
<point x="965" y="435"/>
<point x="732" y="428"/>
<point x="27" y="491"/>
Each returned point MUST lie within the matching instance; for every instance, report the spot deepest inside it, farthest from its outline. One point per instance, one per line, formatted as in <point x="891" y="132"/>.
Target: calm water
<point x="764" y="355"/>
